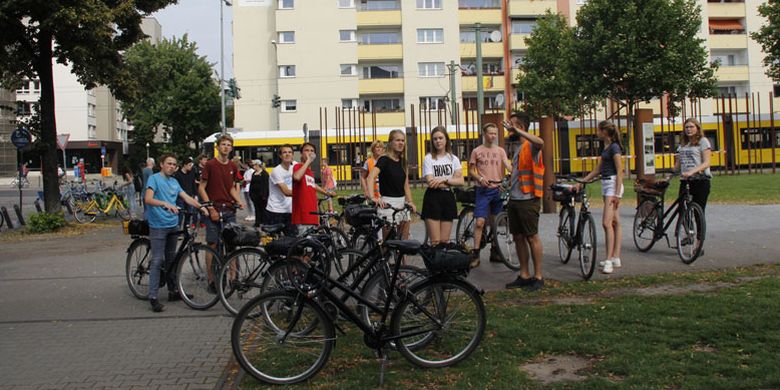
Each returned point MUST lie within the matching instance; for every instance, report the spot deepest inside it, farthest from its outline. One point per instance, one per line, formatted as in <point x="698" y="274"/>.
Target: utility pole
<point x="222" y="3"/>
<point x="452" y="68"/>
<point x="480" y="87"/>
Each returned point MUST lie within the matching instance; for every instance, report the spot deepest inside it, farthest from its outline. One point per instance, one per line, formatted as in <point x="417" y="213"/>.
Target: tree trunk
<point x="48" y="140"/>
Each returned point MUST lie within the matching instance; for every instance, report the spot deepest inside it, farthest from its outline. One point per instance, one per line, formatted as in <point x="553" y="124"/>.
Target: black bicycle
<point x="652" y="220"/>
<point x="573" y="231"/>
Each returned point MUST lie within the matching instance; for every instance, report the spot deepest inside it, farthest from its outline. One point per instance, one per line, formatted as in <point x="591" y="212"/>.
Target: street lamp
<point x="222" y="59"/>
<point x="147" y="151"/>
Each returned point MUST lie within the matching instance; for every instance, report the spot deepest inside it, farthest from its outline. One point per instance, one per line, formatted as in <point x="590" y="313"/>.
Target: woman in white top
<point x="442" y="171"/>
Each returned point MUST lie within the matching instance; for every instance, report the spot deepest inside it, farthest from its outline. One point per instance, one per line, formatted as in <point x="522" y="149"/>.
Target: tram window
<point x="337" y="154"/>
<point x="712" y="136"/>
<point x="665" y="143"/>
<point x="753" y="138"/>
<point x="588" y="145"/>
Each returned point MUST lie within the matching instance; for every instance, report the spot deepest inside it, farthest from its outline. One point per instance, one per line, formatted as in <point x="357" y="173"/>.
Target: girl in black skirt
<point x="442" y="171"/>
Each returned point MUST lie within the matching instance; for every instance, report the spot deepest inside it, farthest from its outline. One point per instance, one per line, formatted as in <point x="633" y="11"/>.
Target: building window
<point x="286" y="71"/>
<point x="346" y="3"/>
<point x="428" y="4"/>
<point x="726" y="26"/>
<point x="776" y="89"/>
<point x="477" y="4"/>
<point x="470" y="36"/>
<point x="25" y="87"/>
<point x="286" y="4"/>
<point x="430" y="35"/>
<point x="289" y="105"/>
<point x="432" y="103"/>
<point x="379" y="38"/>
<point x="349" y="103"/>
<point x="91" y="131"/>
<point x="24" y="108"/>
<point x="379" y="5"/>
<point x="727" y="91"/>
<point x="348" y="69"/>
<point x="91" y="109"/>
<point x="381" y="71"/>
<point x="582" y="2"/>
<point x="36" y="85"/>
<point x="523" y="26"/>
<point x="489" y="68"/>
<point x="383" y="105"/>
<point x="347" y="35"/>
<point x="431" y="69"/>
<point x="286" y="36"/>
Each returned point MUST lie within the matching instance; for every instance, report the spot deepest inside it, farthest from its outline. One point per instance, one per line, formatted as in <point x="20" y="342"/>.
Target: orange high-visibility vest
<point x="370" y="163"/>
<point x="530" y="174"/>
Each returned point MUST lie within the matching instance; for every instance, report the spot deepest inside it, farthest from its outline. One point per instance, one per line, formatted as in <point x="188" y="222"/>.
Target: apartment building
<point x="385" y="55"/>
<point x="7" y="118"/>
<point x="92" y="118"/>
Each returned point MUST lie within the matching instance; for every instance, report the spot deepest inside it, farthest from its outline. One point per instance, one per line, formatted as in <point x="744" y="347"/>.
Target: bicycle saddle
<point x="404" y="246"/>
<point x="271" y="229"/>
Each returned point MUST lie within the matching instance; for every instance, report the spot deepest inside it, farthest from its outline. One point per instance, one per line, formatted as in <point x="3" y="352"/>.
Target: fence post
<point x="19" y="215"/>
<point x="546" y="127"/>
<point x="7" y="217"/>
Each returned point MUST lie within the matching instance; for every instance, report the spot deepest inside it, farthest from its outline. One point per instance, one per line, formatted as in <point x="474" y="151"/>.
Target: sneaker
<point x="616" y="262"/>
<point x="156" y="305"/>
<point x="474" y="258"/>
<point x="602" y="263"/>
<point x="519" y="282"/>
<point x="536" y="285"/>
<point x="607" y="267"/>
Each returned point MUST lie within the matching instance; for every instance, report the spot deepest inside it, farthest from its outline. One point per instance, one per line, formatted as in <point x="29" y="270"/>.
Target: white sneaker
<point x="604" y="262"/>
<point x="616" y="262"/>
<point x="607" y="267"/>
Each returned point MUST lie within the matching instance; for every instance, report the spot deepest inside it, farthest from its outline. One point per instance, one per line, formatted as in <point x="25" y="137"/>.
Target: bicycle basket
<point x="240" y="235"/>
<point x="562" y="193"/>
<point x="651" y="186"/>
<point x="359" y="215"/>
<point x="280" y="246"/>
<point x="468" y="195"/>
<point x="446" y="258"/>
<point x="136" y="227"/>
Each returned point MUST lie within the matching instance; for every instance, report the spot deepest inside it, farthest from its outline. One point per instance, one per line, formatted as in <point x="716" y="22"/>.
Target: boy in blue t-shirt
<point x="160" y="196"/>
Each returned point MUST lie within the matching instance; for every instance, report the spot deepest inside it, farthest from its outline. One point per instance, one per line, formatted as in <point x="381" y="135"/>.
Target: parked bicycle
<point x="652" y="220"/>
<point x="102" y="201"/>
<point x="575" y="231"/>
<point x="20" y="181"/>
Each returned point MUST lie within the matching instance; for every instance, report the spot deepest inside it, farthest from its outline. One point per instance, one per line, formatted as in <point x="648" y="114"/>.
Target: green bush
<point x="46" y="222"/>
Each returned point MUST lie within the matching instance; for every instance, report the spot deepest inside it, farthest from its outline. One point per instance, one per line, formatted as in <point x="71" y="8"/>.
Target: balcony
<point x="386" y="119"/>
<point x="379" y="18"/>
<point x="726" y="10"/>
<point x="489" y="50"/>
<point x="725" y="41"/>
<point x="531" y="8"/>
<point x="733" y="73"/>
<point x="380" y="52"/>
<point x="490" y="83"/>
<point x="381" y="86"/>
<point x="517" y="41"/>
<point x="484" y="16"/>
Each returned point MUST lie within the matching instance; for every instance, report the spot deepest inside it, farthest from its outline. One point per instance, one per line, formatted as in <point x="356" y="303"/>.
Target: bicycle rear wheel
<point x="240" y="278"/>
<point x="378" y="285"/>
<point x="646" y="222"/>
<point x="121" y="211"/>
<point x="690" y="233"/>
<point x="282" y="338"/>
<point x="565" y="229"/>
<point x="464" y="230"/>
<point x="85" y="211"/>
<point x="587" y="247"/>
<point x="504" y="241"/>
<point x="196" y="278"/>
<point x="137" y="267"/>
<point x="441" y="322"/>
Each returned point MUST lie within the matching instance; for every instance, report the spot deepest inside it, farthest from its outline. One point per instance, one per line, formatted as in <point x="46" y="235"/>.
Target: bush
<point x="46" y="222"/>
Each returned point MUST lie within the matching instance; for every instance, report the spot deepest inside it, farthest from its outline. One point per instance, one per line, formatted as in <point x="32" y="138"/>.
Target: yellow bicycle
<point x="86" y="210"/>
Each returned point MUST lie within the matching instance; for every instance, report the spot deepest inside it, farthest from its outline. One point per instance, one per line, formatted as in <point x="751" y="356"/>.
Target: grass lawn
<point x="726" y="337"/>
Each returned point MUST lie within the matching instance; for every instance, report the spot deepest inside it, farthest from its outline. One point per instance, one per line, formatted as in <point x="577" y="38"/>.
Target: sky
<point x="199" y="19"/>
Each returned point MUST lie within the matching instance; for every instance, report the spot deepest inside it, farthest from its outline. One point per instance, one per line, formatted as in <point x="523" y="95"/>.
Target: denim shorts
<point x="488" y="202"/>
<point x="213" y="228"/>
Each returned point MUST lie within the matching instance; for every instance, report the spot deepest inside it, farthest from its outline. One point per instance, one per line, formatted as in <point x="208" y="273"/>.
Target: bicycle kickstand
<point x="383" y="360"/>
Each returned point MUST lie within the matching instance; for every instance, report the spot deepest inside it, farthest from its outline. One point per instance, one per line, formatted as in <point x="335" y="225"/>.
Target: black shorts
<point x="524" y="216"/>
<point x="439" y="205"/>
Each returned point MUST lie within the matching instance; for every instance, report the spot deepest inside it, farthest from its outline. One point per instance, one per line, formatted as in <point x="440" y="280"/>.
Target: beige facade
<point x="7" y="117"/>
<point x="387" y="55"/>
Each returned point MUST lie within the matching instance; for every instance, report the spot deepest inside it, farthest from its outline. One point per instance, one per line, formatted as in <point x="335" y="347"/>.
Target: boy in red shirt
<point x="304" y="199"/>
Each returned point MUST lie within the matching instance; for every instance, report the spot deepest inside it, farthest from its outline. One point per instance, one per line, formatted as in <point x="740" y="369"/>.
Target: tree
<point x="546" y="78"/>
<point x="173" y="90"/>
<point x="87" y="34"/>
<point x="636" y="50"/>
<point x="768" y="36"/>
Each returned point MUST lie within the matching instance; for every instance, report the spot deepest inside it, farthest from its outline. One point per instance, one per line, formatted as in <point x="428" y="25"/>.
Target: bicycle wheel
<point x="586" y="247"/>
<point x="376" y="288"/>
<point x="268" y="341"/>
<point x="440" y="323"/>
<point x="646" y="221"/>
<point x="240" y="278"/>
<point x="565" y="228"/>
<point x="690" y="232"/>
<point x="504" y="241"/>
<point x="464" y="230"/>
<point x="139" y="254"/>
<point x="195" y="279"/>
<point x="362" y="242"/>
<point x="121" y="211"/>
<point x="283" y="275"/>
<point x="340" y="240"/>
<point x="343" y="260"/>
<point x="85" y="211"/>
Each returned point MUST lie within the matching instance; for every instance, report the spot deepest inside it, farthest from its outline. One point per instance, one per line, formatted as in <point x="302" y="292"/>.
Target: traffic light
<point x="233" y="90"/>
<point x="276" y="101"/>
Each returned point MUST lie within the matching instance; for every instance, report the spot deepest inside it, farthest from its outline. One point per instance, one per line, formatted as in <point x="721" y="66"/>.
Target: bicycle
<point x="20" y="181"/>
<point x="286" y="336"/>
<point x="86" y="210"/>
<point x="496" y="234"/>
<point x="580" y="234"/>
<point x="652" y="220"/>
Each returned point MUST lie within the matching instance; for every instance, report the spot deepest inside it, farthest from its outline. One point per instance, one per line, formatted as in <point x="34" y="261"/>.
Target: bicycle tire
<point x="504" y="241"/>
<point x="340" y="240"/>
<point x="360" y="241"/>
<point x="587" y="247"/>
<point x="343" y="260"/>
<point x="83" y="212"/>
<point x="139" y="256"/>
<point x="240" y="278"/>
<point x="464" y="230"/>
<point x="286" y="357"/>
<point x="645" y="225"/>
<point x="376" y="287"/>
<point x="690" y="231"/>
<point x="192" y="276"/>
<point x="565" y="227"/>
<point x="121" y="211"/>
<point x="436" y="342"/>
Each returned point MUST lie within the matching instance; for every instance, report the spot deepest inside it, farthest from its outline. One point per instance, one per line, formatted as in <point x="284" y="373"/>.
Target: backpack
<point x="138" y="183"/>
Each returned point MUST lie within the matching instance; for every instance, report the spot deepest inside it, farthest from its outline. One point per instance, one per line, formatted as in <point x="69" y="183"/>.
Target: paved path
<point x="67" y="319"/>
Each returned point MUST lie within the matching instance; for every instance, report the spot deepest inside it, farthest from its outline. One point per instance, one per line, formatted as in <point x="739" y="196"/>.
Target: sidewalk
<point x="68" y="320"/>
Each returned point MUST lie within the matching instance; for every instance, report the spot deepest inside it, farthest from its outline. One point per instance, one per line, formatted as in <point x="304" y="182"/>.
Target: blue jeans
<point x="131" y="202"/>
<point x="163" y="253"/>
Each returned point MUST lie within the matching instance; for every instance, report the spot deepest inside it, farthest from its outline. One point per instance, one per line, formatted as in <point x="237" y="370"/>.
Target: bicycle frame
<point x="677" y="209"/>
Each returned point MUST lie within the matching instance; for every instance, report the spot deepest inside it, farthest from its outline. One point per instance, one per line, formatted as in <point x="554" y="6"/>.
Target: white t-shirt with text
<point x="442" y="167"/>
